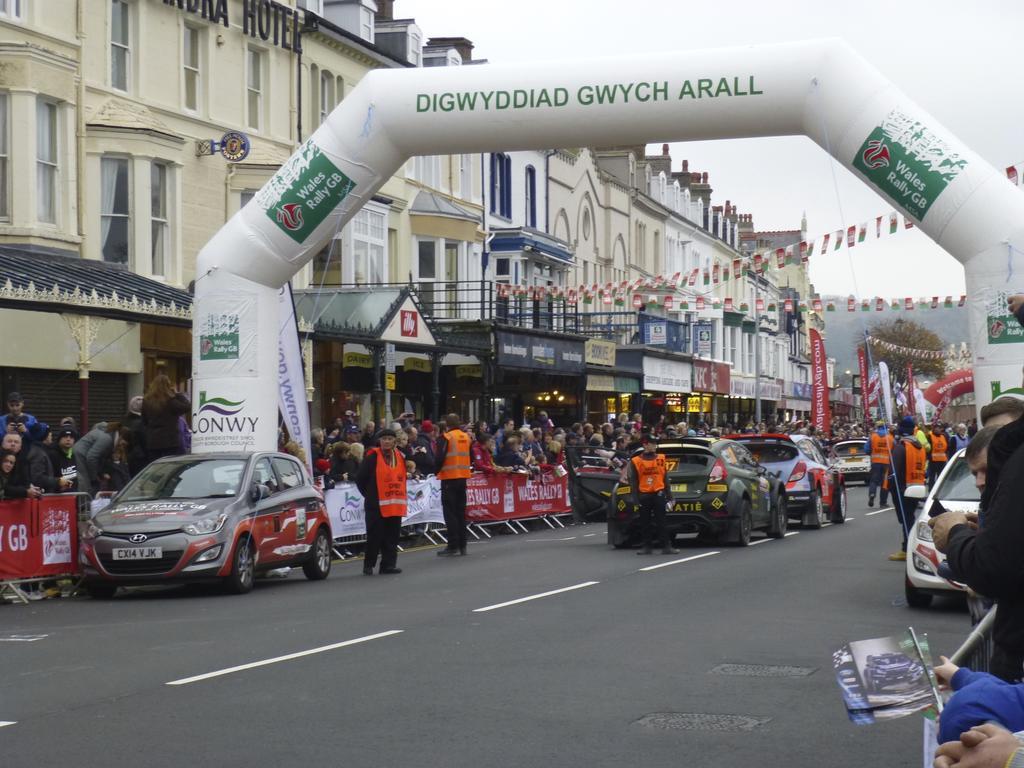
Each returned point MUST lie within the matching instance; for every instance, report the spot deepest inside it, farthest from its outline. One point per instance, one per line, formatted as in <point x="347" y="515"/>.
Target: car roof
<point x="233" y="455"/>
<point x="762" y="436"/>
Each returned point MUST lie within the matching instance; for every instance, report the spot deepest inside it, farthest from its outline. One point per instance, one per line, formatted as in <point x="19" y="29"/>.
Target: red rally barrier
<point x="38" y="537"/>
<point x="493" y="498"/>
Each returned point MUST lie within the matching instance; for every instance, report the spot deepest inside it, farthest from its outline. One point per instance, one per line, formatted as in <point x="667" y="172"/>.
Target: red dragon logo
<point x="289" y="216"/>
<point x="876" y="155"/>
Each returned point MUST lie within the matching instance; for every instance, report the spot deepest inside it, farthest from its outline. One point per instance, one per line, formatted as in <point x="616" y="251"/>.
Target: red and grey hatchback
<point x="224" y="516"/>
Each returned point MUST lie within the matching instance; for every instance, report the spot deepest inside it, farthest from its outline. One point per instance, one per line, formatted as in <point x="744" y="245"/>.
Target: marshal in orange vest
<point x="939" y="446"/>
<point x="917" y="459"/>
<point x="650" y="473"/>
<point x="391" y="488"/>
<point x="456" y="461"/>
<point x="881" y="447"/>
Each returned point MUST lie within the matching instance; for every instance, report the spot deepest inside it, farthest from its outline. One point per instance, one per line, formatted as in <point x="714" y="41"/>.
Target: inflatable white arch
<point x="820" y="89"/>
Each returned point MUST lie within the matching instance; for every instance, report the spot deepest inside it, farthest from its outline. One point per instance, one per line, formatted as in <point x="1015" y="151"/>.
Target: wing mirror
<point x="916" y="492"/>
<point x="257" y="493"/>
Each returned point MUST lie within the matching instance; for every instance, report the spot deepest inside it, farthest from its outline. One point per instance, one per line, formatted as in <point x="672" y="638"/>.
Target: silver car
<point x="224" y="517"/>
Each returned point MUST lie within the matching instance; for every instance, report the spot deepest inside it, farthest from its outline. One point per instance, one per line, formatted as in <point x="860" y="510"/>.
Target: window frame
<point x="129" y="239"/>
<point x="259" y="90"/>
<point x="501" y="185"/>
<point x="5" y="156"/>
<point x="163" y="221"/>
<point x="53" y="164"/>
<point x="18" y="14"/>
<point x="531" y="197"/>
<point x="126" y="45"/>
<point x="196" y="69"/>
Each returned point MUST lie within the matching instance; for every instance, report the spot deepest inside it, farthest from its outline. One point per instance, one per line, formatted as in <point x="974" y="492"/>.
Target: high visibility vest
<point x="650" y="473"/>
<point x="917" y="458"/>
<point x="939" y="446"/>
<point x="881" y="447"/>
<point x="392" y="492"/>
<point x="456" y="460"/>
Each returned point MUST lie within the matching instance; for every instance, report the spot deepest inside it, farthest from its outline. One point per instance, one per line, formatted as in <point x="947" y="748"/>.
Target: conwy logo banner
<point x="909" y="162"/>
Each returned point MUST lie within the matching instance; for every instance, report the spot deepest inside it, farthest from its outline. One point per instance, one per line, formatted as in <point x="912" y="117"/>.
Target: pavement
<point x="548" y="648"/>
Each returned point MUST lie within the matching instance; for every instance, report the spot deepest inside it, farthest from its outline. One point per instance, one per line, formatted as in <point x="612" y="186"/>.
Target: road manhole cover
<point x="762" y="670"/>
<point x="701" y="721"/>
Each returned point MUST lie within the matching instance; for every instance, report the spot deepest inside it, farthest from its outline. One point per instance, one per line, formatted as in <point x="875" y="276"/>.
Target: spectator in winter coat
<point x="481" y="455"/>
<point x="343" y="467"/>
<point x="91" y="453"/>
<point x="10" y="487"/>
<point x="32" y="469"/>
<point x="959" y="439"/>
<point x="28" y="427"/>
<point x="132" y="421"/>
<point x="978" y="698"/>
<point x="161" y="407"/>
<point x="62" y="458"/>
<point x="114" y="471"/>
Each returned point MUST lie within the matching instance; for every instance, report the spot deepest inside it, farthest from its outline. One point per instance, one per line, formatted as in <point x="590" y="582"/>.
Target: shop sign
<point x="407" y="326"/>
<point x="626" y="385"/>
<point x="417" y="364"/>
<point x="698" y="404"/>
<point x="520" y="350"/>
<point x="600" y="352"/>
<point x="600" y="383"/>
<point x="667" y="375"/>
<point x="741" y="387"/>
<point x="266" y="19"/>
<point x="356" y="360"/>
<point x="389" y="382"/>
<point x="711" y="377"/>
<point x="469" y="371"/>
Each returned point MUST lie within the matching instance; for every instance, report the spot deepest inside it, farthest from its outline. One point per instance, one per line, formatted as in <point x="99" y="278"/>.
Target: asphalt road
<point x="565" y="679"/>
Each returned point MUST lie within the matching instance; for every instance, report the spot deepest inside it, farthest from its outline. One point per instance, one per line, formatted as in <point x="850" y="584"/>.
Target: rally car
<point x="815" y="490"/>
<point x="852" y="460"/>
<point x="954" y="491"/>
<point x="890" y="671"/>
<point x="224" y="517"/>
<point x="717" y="491"/>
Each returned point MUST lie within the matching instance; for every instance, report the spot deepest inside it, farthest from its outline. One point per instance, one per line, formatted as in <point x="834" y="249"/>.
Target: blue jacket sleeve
<point x="965" y="677"/>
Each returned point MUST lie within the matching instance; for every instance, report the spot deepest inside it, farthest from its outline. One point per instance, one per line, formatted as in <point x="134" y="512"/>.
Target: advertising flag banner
<point x="862" y="232"/>
<point x="908" y="304"/>
<point x="910" y="388"/>
<point x="883" y="375"/>
<point x="728" y="304"/>
<point x="824" y="242"/>
<point x="862" y="364"/>
<point x="838" y="240"/>
<point x="851" y="233"/>
<point x="759" y="305"/>
<point x="1011" y="174"/>
<point x="851" y="304"/>
<point x="291" y="384"/>
<point x="780" y="257"/>
<point x="817" y="305"/>
<point x="700" y="303"/>
<point x="788" y="306"/>
<point x="878" y="226"/>
<point x="893" y="222"/>
<point x="820" y="416"/>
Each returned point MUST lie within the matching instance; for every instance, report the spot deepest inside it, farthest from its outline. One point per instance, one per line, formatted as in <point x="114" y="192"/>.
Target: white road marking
<point x="536" y="597"/>
<point x="567" y="538"/>
<point x="677" y="562"/>
<point x="825" y="525"/>
<point x="879" y="511"/>
<point x="21" y="638"/>
<point x="288" y="657"/>
<point x="7" y="722"/>
<point x="586" y="535"/>
<point x="848" y="519"/>
<point x="792" y="533"/>
<point x="760" y="541"/>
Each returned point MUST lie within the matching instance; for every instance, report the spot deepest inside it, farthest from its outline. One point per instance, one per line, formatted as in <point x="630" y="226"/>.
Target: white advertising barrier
<point x="821" y="89"/>
<point x="348" y="518"/>
<point x="291" y="384"/>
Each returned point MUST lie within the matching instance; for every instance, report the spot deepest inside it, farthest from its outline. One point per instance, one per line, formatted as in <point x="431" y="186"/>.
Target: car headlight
<point x="924" y="531"/>
<point x="206" y="525"/>
<point x="90" y="531"/>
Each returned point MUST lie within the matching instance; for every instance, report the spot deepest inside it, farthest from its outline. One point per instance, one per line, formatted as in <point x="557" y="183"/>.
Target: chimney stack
<point x="385" y="10"/>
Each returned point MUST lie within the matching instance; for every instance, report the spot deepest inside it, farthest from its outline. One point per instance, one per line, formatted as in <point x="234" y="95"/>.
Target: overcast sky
<point x="958" y="61"/>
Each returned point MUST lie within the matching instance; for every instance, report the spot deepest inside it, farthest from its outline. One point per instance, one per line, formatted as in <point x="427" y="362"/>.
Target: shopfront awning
<point x="361" y="315"/>
<point x="433" y="215"/>
<point x="46" y="280"/>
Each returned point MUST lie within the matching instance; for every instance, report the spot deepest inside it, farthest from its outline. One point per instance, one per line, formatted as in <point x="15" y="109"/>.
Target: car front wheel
<point x="319" y="564"/>
<point x="915" y="597"/>
<point x="243" y="568"/>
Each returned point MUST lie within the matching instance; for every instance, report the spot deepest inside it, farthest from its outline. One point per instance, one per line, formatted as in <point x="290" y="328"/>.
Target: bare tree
<point x="900" y="343"/>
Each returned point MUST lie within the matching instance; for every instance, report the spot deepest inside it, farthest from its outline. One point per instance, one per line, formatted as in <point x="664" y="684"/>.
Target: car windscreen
<point x="958" y="484"/>
<point x="186" y="479"/>
<point x="769" y="453"/>
<point x="850" y="449"/>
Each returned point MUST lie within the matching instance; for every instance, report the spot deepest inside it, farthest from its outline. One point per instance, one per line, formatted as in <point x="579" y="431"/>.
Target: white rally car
<point x="852" y="460"/>
<point x="956" y="492"/>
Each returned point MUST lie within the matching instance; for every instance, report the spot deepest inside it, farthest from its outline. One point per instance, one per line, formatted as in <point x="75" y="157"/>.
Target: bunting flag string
<point x="888" y="346"/>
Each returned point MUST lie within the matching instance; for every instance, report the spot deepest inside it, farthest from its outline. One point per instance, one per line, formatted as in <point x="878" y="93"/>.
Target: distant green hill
<point x="844" y="330"/>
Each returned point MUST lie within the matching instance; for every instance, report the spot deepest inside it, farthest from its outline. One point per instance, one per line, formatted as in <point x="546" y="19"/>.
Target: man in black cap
<point x="382" y="481"/>
<point x="647" y="474"/>
<point x="62" y="458"/>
